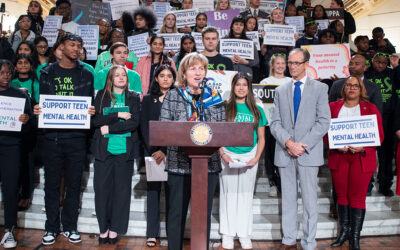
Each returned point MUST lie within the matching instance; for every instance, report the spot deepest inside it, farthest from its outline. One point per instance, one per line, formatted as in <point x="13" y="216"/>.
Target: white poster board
<point x="138" y="45"/>
<point x="327" y="60"/>
<point x="65" y="112"/>
<point x="322" y="24"/>
<point x="90" y="37"/>
<point x="185" y="17"/>
<point x="203" y="5"/>
<point x="50" y="29"/>
<point x="11" y="108"/>
<point x="253" y="35"/>
<point x="117" y="7"/>
<point x="297" y="21"/>
<point x="221" y="81"/>
<point x="359" y="131"/>
<point x="198" y="40"/>
<point x="268" y="6"/>
<point x="238" y="4"/>
<point x="281" y="35"/>
<point x="155" y="172"/>
<point x="240" y="47"/>
<point x="172" y="41"/>
<point x="261" y="26"/>
<point x="161" y="9"/>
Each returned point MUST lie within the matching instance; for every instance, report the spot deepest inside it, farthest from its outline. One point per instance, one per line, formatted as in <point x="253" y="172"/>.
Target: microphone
<point x="203" y="82"/>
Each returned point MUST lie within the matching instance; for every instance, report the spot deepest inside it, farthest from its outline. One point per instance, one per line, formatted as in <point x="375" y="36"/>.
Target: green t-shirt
<point x="104" y="60"/>
<point x="244" y="115"/>
<point x="117" y="145"/>
<point x="17" y="83"/>
<point x="134" y="80"/>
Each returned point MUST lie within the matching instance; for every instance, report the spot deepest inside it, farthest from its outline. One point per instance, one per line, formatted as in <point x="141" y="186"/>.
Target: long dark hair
<point x="108" y="87"/>
<point x="323" y="8"/>
<point x="8" y="64"/>
<point x="247" y="19"/>
<point x="52" y="56"/>
<point x="182" y="51"/>
<point x="231" y="109"/>
<point x="163" y="57"/>
<point x="155" y="86"/>
<point x="110" y="36"/>
<point x="33" y="52"/>
<point x="238" y="19"/>
<point x="39" y="39"/>
<point x="32" y="73"/>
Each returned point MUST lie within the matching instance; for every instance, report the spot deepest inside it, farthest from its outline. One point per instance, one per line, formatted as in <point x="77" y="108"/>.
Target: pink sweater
<point x="143" y="69"/>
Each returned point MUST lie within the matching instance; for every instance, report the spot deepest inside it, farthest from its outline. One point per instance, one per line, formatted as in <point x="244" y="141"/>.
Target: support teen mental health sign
<point x="359" y="131"/>
<point x="64" y="112"/>
<point x="281" y="35"/>
<point x="328" y="60"/>
<point x="11" y="108"/>
<point x="240" y="47"/>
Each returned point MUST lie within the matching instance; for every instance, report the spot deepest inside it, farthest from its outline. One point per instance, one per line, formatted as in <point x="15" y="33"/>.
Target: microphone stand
<point x="202" y="85"/>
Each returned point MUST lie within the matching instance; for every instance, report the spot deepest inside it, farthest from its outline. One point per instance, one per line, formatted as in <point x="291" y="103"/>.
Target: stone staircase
<point x="382" y="218"/>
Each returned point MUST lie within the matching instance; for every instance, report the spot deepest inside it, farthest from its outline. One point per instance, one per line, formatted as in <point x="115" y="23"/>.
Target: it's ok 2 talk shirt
<point x="64" y="80"/>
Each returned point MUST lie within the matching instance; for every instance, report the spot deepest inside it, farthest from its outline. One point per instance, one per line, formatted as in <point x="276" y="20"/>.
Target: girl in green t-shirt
<point x="239" y="166"/>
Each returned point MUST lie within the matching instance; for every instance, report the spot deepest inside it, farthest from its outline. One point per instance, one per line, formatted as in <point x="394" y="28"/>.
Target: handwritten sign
<point x="240" y="47"/>
<point x="360" y="131"/>
<point x="185" y="17"/>
<point x="221" y="19"/>
<point x="322" y="24"/>
<point x="88" y="12"/>
<point x="172" y="41"/>
<point x="264" y="95"/>
<point x="253" y="35"/>
<point x="116" y="8"/>
<point x="90" y="37"/>
<point x="11" y="108"/>
<point x="161" y="9"/>
<point x="203" y="5"/>
<point x="268" y="6"/>
<point x="221" y="81"/>
<point x="297" y="21"/>
<point x="238" y="4"/>
<point x="138" y="45"/>
<point x="50" y="29"/>
<point x="282" y="35"/>
<point x="327" y="60"/>
<point x="64" y="112"/>
<point x="198" y="40"/>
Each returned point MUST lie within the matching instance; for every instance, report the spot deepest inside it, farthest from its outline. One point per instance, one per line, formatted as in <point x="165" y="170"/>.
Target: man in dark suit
<point x="255" y="11"/>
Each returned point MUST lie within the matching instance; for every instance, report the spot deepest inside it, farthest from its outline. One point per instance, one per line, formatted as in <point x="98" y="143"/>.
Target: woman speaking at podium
<point x="182" y="104"/>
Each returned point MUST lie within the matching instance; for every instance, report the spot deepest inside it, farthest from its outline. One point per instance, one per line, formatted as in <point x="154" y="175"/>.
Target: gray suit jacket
<point x="373" y="92"/>
<point x="313" y="119"/>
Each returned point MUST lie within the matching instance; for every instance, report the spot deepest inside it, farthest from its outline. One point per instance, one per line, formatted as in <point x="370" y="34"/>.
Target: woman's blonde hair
<point x="363" y="91"/>
<point x="188" y="61"/>
<point x="272" y="60"/>
<point x="272" y="11"/>
<point x="219" y="8"/>
<point x="163" y="28"/>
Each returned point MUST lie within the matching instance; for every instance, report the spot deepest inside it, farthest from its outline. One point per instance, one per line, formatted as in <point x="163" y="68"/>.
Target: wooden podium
<point x="200" y="140"/>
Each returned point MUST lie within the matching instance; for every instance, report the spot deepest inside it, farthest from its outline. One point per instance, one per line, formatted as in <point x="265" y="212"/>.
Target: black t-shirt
<point x="64" y="80"/>
<point x="219" y="62"/>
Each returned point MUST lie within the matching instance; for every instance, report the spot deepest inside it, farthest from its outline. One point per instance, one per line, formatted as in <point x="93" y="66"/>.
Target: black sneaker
<point x="386" y="192"/>
<point x="49" y="238"/>
<point x="73" y="236"/>
<point x="8" y="240"/>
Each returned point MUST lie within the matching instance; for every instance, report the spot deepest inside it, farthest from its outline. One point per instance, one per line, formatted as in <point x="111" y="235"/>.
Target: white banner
<point x="185" y="17"/>
<point x="281" y="35"/>
<point x="50" y="29"/>
<point x="11" y="108"/>
<point x="161" y="9"/>
<point x="253" y="35"/>
<point x="172" y="41"/>
<point x="240" y="47"/>
<point x="90" y="37"/>
<point x="221" y="81"/>
<point x="64" y="112"/>
<point x="359" y="131"/>
<point x="297" y="21"/>
<point x="203" y="5"/>
<point x="138" y="45"/>
<point x="268" y="6"/>
<point x="198" y="40"/>
<point x="117" y="7"/>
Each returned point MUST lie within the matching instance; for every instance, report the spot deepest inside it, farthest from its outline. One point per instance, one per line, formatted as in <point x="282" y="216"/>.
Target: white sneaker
<point x="8" y="240"/>
<point x="49" y="238"/>
<point x="73" y="236"/>
<point x="227" y="242"/>
<point x="273" y="191"/>
<point x="246" y="243"/>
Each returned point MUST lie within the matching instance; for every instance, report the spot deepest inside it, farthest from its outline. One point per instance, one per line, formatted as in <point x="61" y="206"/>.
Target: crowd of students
<point x="163" y="85"/>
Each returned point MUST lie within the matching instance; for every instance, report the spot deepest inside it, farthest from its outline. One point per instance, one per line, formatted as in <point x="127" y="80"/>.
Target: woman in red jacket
<point x="352" y="167"/>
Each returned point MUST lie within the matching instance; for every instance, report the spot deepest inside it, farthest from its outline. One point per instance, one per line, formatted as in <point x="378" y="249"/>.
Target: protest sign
<point x="50" y="29"/>
<point x="331" y="13"/>
<point x="64" y="112"/>
<point x="359" y="131"/>
<point x="238" y="4"/>
<point x="172" y="41"/>
<point x="117" y="7"/>
<point x="264" y="95"/>
<point x="297" y="21"/>
<point x="198" y="40"/>
<point x="221" y="81"/>
<point x="11" y="108"/>
<point x="268" y="6"/>
<point x="261" y="26"/>
<point x="185" y="17"/>
<point x="240" y="47"/>
<point x="253" y="35"/>
<point x="90" y="37"/>
<point x="203" y="5"/>
<point x="161" y="9"/>
<point x="221" y="19"/>
<point x="88" y="12"/>
<point x="138" y="45"/>
<point x="327" y="60"/>
<point x="322" y="24"/>
<point x="282" y="35"/>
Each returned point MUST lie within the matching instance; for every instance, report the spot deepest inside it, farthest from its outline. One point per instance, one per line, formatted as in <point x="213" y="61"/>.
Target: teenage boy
<point x="64" y="147"/>
<point x="216" y="61"/>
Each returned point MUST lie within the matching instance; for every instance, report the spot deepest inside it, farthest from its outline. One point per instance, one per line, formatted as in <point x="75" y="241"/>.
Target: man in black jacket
<point x="65" y="147"/>
<point x="255" y="11"/>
